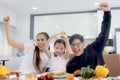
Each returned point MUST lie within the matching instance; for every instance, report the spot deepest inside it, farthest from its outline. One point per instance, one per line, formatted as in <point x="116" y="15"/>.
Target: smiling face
<point x="41" y="41"/>
<point x="77" y="47"/>
<point x="59" y="49"/>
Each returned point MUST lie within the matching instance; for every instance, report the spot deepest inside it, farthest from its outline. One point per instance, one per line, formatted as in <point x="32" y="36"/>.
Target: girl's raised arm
<point x="67" y="52"/>
<point x="47" y="51"/>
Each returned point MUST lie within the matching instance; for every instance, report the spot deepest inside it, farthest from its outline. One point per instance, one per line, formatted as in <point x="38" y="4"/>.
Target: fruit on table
<point x="87" y="72"/>
<point x="4" y="70"/>
<point x="101" y="71"/>
<point x="77" y="72"/>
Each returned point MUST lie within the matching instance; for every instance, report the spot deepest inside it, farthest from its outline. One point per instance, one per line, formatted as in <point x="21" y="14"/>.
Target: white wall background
<point x="7" y="12"/>
<point x="81" y="23"/>
<point x="22" y="28"/>
<point x="118" y="42"/>
<point x="5" y="49"/>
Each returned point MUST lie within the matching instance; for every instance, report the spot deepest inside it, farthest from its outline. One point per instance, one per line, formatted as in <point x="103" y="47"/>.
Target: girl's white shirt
<point x="27" y="64"/>
<point x="57" y="63"/>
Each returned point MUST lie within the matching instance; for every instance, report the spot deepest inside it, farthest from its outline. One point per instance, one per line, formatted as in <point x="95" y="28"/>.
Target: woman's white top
<point x="27" y="64"/>
<point x="57" y="63"/>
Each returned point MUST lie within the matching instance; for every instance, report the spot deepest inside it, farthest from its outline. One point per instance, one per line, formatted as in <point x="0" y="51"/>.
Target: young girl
<point x="35" y="60"/>
<point x="59" y="58"/>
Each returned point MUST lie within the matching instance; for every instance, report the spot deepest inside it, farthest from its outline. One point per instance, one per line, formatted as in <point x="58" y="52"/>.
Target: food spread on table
<point x="100" y="72"/>
<point x="88" y="73"/>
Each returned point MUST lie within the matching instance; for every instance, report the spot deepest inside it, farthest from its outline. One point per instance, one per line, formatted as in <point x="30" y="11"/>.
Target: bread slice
<point x="31" y="77"/>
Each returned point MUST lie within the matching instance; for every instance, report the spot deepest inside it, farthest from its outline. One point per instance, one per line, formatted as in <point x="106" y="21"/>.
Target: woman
<point x="92" y="54"/>
<point x="35" y="60"/>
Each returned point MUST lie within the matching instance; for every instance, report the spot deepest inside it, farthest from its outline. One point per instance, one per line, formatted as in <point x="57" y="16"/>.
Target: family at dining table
<point x="39" y="58"/>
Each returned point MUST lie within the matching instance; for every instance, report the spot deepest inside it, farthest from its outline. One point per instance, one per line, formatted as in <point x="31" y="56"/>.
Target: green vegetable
<point x="87" y="72"/>
<point x="62" y="73"/>
<point x="50" y="74"/>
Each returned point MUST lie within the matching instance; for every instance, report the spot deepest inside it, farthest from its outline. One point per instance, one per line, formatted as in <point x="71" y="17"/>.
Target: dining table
<point x="23" y="77"/>
<point x="108" y="78"/>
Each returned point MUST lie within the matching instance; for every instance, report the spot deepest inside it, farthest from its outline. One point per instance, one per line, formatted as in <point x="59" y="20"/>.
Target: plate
<point x="59" y="77"/>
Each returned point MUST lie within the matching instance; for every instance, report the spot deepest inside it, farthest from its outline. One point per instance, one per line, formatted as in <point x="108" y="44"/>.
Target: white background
<point x="83" y="23"/>
<point x="118" y="42"/>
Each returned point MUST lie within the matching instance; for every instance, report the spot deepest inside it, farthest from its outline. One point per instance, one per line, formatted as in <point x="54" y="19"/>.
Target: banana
<point x="63" y="35"/>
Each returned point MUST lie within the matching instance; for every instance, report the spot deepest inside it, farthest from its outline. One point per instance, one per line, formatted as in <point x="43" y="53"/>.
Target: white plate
<point x="59" y="77"/>
<point x="55" y="76"/>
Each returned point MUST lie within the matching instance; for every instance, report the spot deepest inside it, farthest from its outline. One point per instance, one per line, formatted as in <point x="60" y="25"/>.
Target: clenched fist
<point x="104" y="6"/>
<point x="6" y="20"/>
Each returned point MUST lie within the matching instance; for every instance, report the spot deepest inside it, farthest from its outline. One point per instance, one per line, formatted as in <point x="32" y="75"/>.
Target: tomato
<point x="41" y="78"/>
<point x="49" y="77"/>
<point x="76" y="72"/>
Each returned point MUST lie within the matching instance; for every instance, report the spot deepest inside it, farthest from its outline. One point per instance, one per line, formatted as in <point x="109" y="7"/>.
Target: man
<point x="92" y="54"/>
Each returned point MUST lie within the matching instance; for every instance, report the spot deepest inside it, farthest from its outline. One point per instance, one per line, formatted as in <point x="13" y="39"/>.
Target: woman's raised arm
<point x="10" y="39"/>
